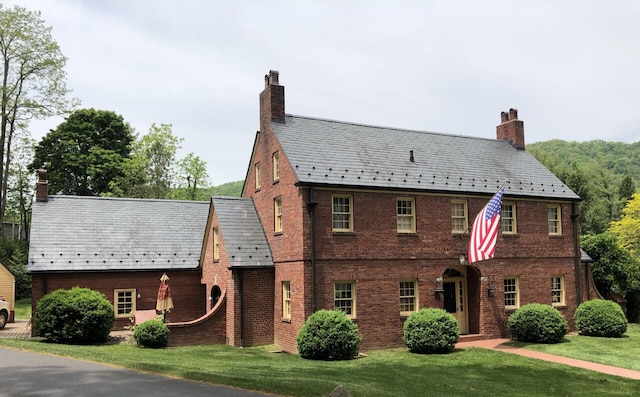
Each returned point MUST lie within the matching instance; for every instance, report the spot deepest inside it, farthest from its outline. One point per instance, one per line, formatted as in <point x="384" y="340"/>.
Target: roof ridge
<point x="73" y="197"/>
<point x="391" y="128"/>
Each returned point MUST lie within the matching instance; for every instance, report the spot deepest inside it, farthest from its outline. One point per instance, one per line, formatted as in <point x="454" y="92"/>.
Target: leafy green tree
<point x="33" y="82"/>
<point x="21" y="185"/>
<point x="85" y="152"/>
<point x="627" y="188"/>
<point x="627" y="229"/>
<point x="192" y="178"/>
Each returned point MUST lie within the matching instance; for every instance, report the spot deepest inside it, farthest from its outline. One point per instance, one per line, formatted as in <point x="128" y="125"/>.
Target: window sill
<point x="556" y="236"/>
<point x="560" y="306"/>
<point x="407" y="234"/>
<point x="344" y="233"/>
<point x="276" y="181"/>
<point x="216" y="261"/>
<point x="509" y="235"/>
<point x="257" y="190"/>
<point x="286" y="320"/>
<point x="277" y="233"/>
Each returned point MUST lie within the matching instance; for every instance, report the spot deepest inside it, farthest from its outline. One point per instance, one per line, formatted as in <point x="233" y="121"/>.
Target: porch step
<point x="470" y="337"/>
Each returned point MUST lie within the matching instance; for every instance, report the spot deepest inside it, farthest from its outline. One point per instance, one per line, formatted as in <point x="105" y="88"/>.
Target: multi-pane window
<point x="342" y="213"/>
<point x="257" y="175"/>
<point x="557" y="290"/>
<point x="286" y="299"/>
<point x="277" y="213"/>
<point x="276" y="166"/>
<point x="511" y="299"/>
<point x="408" y="297"/>
<point x="344" y="297"/>
<point x="459" y="222"/>
<point x="554" y="217"/>
<point x="508" y="218"/>
<point x="124" y="302"/>
<point x="406" y="215"/>
<point x="216" y="244"/>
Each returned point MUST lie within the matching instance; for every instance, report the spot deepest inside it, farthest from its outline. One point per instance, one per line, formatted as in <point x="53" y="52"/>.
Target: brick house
<point x="120" y="247"/>
<point x="375" y="221"/>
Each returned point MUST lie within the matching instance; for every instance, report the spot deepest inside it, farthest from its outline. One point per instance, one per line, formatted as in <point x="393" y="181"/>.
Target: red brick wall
<point x="257" y="306"/>
<point x="209" y="329"/>
<point x="186" y="291"/>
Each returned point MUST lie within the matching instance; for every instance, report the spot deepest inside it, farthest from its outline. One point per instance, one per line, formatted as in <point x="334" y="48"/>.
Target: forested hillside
<point x="604" y="174"/>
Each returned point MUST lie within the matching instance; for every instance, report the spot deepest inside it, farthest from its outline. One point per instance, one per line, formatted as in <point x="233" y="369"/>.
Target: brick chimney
<point x="42" y="187"/>
<point x="271" y="99"/>
<point x="511" y="129"/>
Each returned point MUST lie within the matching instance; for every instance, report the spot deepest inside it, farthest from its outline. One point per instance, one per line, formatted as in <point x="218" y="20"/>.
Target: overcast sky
<point x="571" y="68"/>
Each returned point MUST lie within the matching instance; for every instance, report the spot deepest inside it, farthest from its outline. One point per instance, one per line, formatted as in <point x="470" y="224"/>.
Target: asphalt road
<point x="31" y="374"/>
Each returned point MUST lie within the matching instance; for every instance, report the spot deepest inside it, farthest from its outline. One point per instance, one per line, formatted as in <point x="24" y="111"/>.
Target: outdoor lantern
<point x="491" y="290"/>
<point x="439" y="290"/>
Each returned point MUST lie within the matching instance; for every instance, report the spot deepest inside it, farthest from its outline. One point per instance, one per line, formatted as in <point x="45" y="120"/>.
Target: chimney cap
<point x="271" y="78"/>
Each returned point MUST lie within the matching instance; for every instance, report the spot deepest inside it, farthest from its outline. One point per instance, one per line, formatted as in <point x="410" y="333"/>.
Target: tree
<point x="151" y="170"/>
<point x="21" y="185"/>
<point x="33" y="81"/>
<point x="85" y="152"/>
<point x="627" y="188"/>
<point x="193" y="171"/>
<point x="627" y="229"/>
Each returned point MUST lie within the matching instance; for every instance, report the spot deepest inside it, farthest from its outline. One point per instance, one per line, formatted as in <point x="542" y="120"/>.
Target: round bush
<point x="328" y="335"/>
<point x="431" y="331"/>
<point x="75" y="316"/>
<point x="538" y="323"/>
<point x="600" y="318"/>
<point x="152" y="333"/>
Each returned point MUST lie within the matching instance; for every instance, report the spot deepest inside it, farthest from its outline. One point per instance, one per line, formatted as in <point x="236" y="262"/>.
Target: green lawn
<point x="619" y="352"/>
<point x="22" y="309"/>
<point x="396" y="372"/>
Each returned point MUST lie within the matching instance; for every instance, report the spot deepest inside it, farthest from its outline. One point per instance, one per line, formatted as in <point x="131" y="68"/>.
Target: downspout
<point x="576" y="251"/>
<point x="311" y="206"/>
<point x="241" y="292"/>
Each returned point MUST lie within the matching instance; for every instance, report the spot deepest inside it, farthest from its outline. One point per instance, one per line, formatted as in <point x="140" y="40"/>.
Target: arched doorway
<point x="454" y="283"/>
<point x="216" y="293"/>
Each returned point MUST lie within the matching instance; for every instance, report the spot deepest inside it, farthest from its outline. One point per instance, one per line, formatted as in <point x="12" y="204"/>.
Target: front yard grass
<point x="22" y="309"/>
<point x="395" y="372"/>
<point x="620" y="352"/>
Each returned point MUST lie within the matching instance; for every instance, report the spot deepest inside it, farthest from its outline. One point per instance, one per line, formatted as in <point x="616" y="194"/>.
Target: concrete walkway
<point x="500" y="345"/>
<point x="21" y="329"/>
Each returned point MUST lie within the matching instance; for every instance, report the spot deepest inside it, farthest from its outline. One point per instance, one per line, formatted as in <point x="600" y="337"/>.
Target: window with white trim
<point x="554" y="217"/>
<point x="459" y="219"/>
<point x="508" y="218"/>
<point x="216" y="244"/>
<point x="124" y="302"/>
<point x="405" y="209"/>
<point x="342" y="213"/>
<point x="408" y="297"/>
<point x="344" y="297"/>
<point x="277" y="212"/>
<point x="557" y="290"/>
<point x="257" y="175"/>
<point x="286" y="299"/>
<point x="511" y="292"/>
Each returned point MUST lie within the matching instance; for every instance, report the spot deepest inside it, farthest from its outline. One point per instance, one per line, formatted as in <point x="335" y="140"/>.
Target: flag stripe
<point x="484" y="231"/>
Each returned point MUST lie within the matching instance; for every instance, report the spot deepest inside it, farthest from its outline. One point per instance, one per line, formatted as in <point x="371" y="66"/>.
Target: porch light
<point x="439" y="292"/>
<point x="491" y="290"/>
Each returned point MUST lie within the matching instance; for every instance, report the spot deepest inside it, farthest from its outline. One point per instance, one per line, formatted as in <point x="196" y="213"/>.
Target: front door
<point x="455" y="301"/>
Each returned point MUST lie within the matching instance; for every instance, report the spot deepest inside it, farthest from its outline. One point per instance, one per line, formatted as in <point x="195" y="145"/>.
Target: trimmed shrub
<point x="538" y="323"/>
<point x="75" y="316"/>
<point x="328" y="335"/>
<point x="431" y="331"/>
<point x="599" y="317"/>
<point x="152" y="333"/>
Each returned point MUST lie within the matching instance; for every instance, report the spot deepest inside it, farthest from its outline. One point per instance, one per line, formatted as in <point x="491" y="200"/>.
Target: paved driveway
<point x="32" y="374"/>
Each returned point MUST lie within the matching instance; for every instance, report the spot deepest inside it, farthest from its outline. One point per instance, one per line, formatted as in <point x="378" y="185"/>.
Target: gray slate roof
<point x="72" y="233"/>
<point x="338" y="153"/>
<point x="242" y="232"/>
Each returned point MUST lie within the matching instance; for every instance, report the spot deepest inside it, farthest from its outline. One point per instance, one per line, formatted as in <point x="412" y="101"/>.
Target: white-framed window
<point x="286" y="299"/>
<point x="216" y="244"/>
<point x="276" y="166"/>
<point x="459" y="218"/>
<point x="257" y="175"/>
<point x="405" y="209"/>
<point x="408" y="297"/>
<point x="342" y="213"/>
<point x="557" y="290"/>
<point x="511" y="292"/>
<point x="508" y="218"/>
<point x="124" y="302"/>
<point x="344" y="297"/>
<point x="555" y="219"/>
<point x="277" y="214"/>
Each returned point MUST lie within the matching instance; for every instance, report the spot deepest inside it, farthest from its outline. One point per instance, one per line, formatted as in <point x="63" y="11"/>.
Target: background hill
<point x="604" y="174"/>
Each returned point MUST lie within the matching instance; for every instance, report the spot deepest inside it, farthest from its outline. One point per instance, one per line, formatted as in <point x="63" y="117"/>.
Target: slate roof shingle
<point x="72" y="233"/>
<point x="339" y="153"/>
<point x="241" y="230"/>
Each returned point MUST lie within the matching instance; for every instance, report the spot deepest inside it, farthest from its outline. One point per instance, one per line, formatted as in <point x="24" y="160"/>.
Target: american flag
<point x="485" y="230"/>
